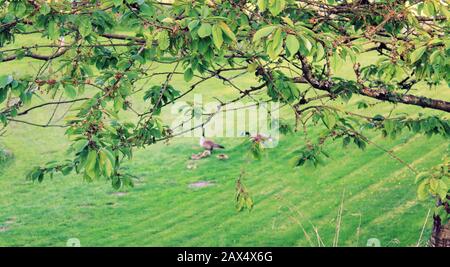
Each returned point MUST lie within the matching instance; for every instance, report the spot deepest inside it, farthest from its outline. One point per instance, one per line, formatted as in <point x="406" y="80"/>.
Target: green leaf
<point x="274" y="49"/>
<point x="205" y="30"/>
<point x="288" y="21"/>
<point x="85" y="26"/>
<point x="5" y="80"/>
<point x="305" y="43"/>
<point x="79" y="145"/>
<point x="262" y="5"/>
<point x="420" y="177"/>
<point x="105" y="163"/>
<point x="329" y="119"/>
<point x="292" y="44"/>
<point x="70" y="90"/>
<point x="20" y="54"/>
<point x="91" y="162"/>
<point x="275" y="45"/>
<point x="442" y="189"/>
<point x="217" y="36"/>
<point x="429" y="8"/>
<point x="389" y="126"/>
<point x="277" y="41"/>
<point x="66" y="170"/>
<point x="362" y="105"/>
<point x="320" y="52"/>
<point x="276" y="6"/>
<point x="188" y="74"/>
<point x="123" y="64"/>
<point x="118" y="103"/>
<point x="19" y="8"/>
<point x="252" y="67"/>
<point x="434" y="184"/>
<point x="422" y="190"/>
<point x="263" y="32"/>
<point x="3" y="96"/>
<point x="435" y="57"/>
<point x="417" y="54"/>
<point x="110" y="156"/>
<point x="163" y="40"/>
<point x="335" y="61"/>
<point x="193" y="24"/>
<point x="227" y="31"/>
<point x="53" y="30"/>
<point x="147" y="10"/>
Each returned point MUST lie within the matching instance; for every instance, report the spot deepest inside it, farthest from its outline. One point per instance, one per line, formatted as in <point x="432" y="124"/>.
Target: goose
<point x="208" y="144"/>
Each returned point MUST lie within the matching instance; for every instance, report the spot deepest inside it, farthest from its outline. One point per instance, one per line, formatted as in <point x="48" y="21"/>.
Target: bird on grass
<point x="209" y="144"/>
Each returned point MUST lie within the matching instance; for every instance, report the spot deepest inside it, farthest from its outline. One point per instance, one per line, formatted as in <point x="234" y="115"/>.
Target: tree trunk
<point x="440" y="237"/>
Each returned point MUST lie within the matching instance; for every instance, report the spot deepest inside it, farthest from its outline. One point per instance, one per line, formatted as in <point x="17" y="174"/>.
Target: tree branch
<point x="380" y="93"/>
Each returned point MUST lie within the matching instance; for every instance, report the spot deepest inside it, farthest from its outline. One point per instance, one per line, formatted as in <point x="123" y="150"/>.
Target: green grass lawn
<point x="293" y="207"/>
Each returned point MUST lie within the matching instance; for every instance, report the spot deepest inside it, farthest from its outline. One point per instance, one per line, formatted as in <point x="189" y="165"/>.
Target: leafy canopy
<point x="93" y="53"/>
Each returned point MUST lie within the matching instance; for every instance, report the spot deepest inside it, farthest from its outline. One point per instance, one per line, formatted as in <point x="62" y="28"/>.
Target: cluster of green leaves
<point x="275" y="7"/>
<point x="104" y="58"/>
<point x="340" y="127"/>
<point x="345" y="89"/>
<point x="336" y="127"/>
<point x="283" y="127"/>
<point x="6" y="33"/>
<point x="269" y="37"/>
<point x="11" y="88"/>
<point x="429" y="60"/>
<point x="242" y="197"/>
<point x="280" y="88"/>
<point x="427" y="125"/>
<point x="255" y="148"/>
<point x="349" y="137"/>
<point x="385" y="75"/>
<point x="312" y="154"/>
<point x="161" y="95"/>
<point x="150" y="131"/>
<point x="435" y="184"/>
<point x="287" y="39"/>
<point x="205" y="32"/>
<point x="58" y="23"/>
<point x="348" y="129"/>
<point x="96" y="156"/>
